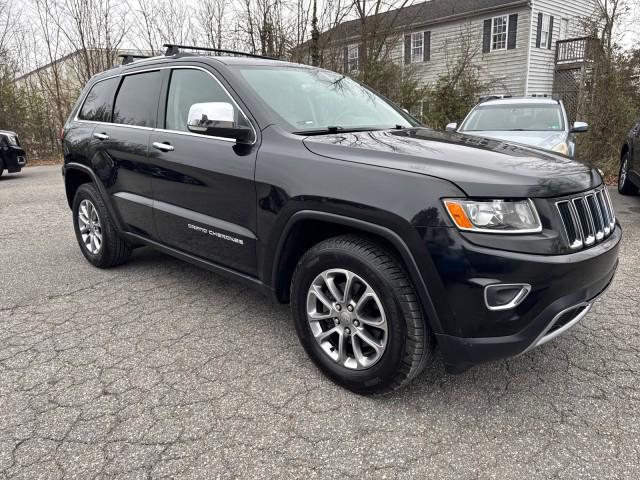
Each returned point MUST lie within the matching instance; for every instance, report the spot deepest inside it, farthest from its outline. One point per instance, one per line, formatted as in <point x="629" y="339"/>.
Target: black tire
<point x="1" y="167"/>
<point x="625" y="187"/>
<point x="410" y="343"/>
<point x="114" y="249"/>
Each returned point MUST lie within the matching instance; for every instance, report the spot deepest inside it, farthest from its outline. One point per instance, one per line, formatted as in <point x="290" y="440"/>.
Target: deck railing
<point x="575" y="50"/>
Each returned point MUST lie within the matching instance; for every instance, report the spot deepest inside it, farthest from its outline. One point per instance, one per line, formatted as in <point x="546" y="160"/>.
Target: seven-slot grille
<point x="587" y="218"/>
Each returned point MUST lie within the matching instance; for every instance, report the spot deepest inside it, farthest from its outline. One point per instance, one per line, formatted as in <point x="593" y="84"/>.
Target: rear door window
<point x="137" y="99"/>
<point x="97" y="105"/>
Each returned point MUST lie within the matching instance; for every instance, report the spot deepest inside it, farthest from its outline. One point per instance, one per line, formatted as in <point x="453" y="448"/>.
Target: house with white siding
<point x="517" y="45"/>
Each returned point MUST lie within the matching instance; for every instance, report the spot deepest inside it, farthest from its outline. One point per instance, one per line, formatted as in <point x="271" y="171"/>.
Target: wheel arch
<point x="76" y="174"/>
<point x="293" y="244"/>
<point x="625" y="149"/>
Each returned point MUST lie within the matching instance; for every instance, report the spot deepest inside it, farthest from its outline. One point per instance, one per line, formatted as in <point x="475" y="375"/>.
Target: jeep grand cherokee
<point x="387" y="239"/>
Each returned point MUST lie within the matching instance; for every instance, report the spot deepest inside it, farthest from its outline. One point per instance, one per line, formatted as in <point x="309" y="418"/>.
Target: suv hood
<point x="481" y="167"/>
<point x="546" y="140"/>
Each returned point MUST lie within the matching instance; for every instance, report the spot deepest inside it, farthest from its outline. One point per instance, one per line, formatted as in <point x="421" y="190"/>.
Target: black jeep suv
<point x="386" y="238"/>
<point x="12" y="155"/>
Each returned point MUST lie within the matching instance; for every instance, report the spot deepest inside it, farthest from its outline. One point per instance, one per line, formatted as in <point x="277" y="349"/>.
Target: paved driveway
<point x="159" y="369"/>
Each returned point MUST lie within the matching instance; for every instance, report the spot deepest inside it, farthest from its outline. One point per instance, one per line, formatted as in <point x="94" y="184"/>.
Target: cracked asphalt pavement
<point x="158" y="369"/>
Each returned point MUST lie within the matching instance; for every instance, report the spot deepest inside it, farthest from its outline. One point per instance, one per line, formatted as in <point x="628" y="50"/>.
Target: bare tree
<point x="211" y="19"/>
<point x="145" y="31"/>
<point x="9" y="16"/>
<point x="95" y="29"/>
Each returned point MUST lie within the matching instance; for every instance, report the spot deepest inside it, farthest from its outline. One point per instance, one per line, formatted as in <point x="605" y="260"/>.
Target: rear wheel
<point x="625" y="186"/>
<point x="358" y="317"/>
<point x="97" y="236"/>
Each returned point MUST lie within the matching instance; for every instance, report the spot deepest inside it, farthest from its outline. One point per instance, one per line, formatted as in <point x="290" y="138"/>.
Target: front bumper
<point x="563" y="289"/>
<point x="14" y="158"/>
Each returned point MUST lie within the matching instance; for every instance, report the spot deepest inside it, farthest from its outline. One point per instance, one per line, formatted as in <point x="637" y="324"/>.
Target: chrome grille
<point x="587" y="218"/>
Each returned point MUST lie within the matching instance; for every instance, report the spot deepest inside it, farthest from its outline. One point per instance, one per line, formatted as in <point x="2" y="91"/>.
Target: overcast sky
<point x="632" y="28"/>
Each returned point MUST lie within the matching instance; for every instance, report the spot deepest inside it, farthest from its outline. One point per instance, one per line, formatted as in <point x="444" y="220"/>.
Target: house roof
<point x="424" y="13"/>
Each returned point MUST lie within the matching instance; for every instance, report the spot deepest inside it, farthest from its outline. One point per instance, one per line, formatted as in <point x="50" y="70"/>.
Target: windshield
<point x="313" y="99"/>
<point x="515" y="117"/>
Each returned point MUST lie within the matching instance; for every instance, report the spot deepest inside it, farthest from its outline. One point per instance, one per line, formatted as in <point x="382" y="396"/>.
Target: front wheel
<point x="358" y="317"/>
<point x="625" y="187"/>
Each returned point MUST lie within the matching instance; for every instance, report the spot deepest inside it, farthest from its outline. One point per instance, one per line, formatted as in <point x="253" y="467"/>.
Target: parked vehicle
<point x="540" y="122"/>
<point x="12" y="155"/>
<point x="629" y="177"/>
<point x="386" y="238"/>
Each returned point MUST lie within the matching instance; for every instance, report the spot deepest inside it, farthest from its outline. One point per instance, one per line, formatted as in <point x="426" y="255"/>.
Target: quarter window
<point x="417" y="47"/>
<point x="98" y="103"/>
<point x="188" y="87"/>
<point x="137" y="99"/>
<point x="352" y="57"/>
<point x="499" y="32"/>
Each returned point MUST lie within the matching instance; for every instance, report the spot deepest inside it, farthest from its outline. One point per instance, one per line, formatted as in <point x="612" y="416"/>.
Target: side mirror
<point x="580" y="127"/>
<point x="451" y="127"/>
<point x="218" y="120"/>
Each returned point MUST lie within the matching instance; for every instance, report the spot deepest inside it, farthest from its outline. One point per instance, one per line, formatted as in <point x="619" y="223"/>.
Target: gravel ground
<point x="160" y="369"/>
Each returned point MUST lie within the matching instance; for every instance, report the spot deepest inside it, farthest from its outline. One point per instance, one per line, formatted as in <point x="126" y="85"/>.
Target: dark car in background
<point x="386" y="238"/>
<point x="12" y="155"/>
<point x="629" y="177"/>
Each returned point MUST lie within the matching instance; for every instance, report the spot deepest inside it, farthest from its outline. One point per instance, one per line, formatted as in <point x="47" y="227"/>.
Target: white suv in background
<point x="539" y="122"/>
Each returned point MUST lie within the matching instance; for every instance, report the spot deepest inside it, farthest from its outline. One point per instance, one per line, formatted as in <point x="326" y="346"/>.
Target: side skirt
<point x="206" y="264"/>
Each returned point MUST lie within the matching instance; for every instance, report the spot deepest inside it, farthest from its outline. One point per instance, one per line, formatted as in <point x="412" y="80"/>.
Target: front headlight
<point x="494" y="216"/>
<point x="561" y="148"/>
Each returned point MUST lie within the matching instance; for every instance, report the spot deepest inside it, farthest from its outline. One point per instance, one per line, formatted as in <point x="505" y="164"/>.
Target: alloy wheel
<point x="623" y="172"/>
<point x="90" y="227"/>
<point x="347" y="319"/>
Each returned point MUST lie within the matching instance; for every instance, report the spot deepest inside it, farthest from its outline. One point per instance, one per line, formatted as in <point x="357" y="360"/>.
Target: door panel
<point x="204" y="192"/>
<point x="205" y="198"/>
<point x="123" y="157"/>
<point x="635" y="149"/>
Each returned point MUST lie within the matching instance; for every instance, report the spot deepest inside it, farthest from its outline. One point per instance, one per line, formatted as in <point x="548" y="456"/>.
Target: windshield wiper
<point x="339" y="129"/>
<point x="334" y="129"/>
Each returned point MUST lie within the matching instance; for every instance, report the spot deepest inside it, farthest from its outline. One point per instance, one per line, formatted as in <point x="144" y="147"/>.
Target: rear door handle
<point x="101" y="136"/>
<point x="165" y="147"/>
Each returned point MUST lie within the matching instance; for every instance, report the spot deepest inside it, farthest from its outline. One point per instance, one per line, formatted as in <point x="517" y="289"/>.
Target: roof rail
<point x="129" y="58"/>
<point x="487" y="98"/>
<point x="175" y="49"/>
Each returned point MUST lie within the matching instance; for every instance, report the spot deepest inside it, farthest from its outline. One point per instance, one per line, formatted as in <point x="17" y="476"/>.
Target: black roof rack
<point x="175" y="49"/>
<point x="488" y="98"/>
<point x="129" y="58"/>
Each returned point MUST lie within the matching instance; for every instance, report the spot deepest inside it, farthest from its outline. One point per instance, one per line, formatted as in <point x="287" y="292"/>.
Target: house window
<point x="544" y="30"/>
<point x="564" y="28"/>
<point x="352" y="57"/>
<point x="499" y="32"/>
<point x="417" y="47"/>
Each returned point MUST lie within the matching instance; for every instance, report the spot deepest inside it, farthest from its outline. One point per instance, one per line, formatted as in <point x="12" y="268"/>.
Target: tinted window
<point x="97" y="105"/>
<point x="137" y="99"/>
<point x="188" y="87"/>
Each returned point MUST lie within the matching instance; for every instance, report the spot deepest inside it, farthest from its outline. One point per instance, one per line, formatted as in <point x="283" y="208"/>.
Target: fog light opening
<point x="505" y="296"/>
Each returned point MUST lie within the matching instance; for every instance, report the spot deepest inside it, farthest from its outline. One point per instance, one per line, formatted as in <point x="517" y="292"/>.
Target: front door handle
<point x="165" y="147"/>
<point x="101" y="136"/>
